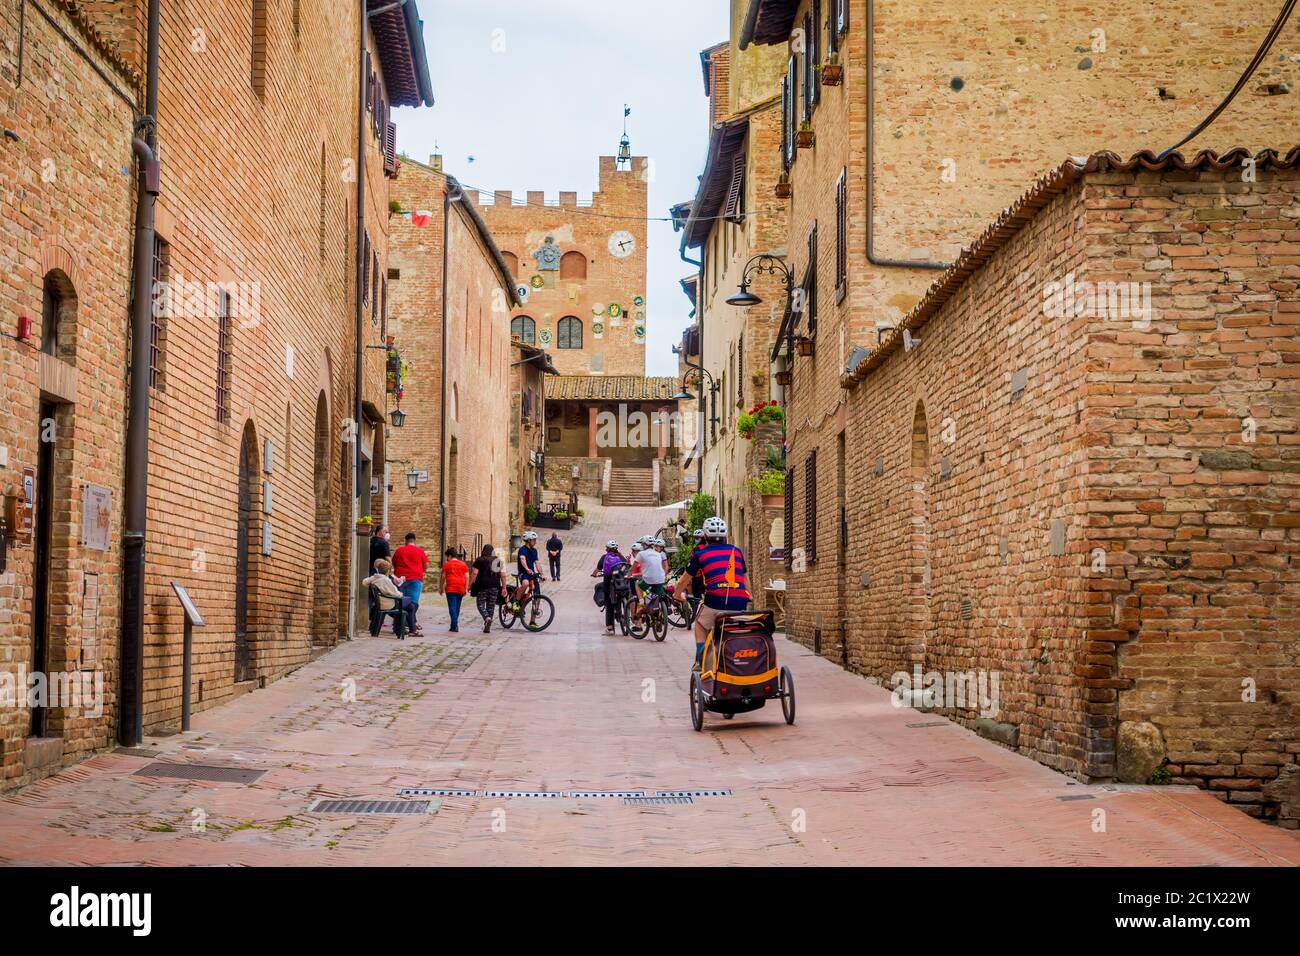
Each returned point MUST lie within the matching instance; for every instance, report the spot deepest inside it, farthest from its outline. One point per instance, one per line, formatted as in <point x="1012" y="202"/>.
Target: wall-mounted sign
<point x="268" y="456"/>
<point x="96" y="516"/>
<point x="27" y="517"/>
<point x="267" y="494"/>
<point x="266" y="537"/>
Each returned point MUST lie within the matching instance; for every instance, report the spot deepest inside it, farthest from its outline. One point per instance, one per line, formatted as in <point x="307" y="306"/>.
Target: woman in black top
<point x="487" y="583"/>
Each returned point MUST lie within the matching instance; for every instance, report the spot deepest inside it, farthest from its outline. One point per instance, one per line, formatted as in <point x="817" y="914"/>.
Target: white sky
<point x="536" y="114"/>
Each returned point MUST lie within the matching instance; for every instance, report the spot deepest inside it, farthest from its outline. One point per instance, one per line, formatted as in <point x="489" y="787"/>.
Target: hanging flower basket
<point x="805" y="137"/>
<point x="832" y="73"/>
<point x="784" y="188"/>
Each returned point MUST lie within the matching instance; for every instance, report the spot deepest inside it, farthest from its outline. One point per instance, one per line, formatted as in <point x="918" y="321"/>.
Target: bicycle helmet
<point x="611" y="545"/>
<point x="638" y="546"/>
<point x="659" y="543"/>
<point x="699" y="534"/>
<point x="530" y="536"/>
<point x="715" y="527"/>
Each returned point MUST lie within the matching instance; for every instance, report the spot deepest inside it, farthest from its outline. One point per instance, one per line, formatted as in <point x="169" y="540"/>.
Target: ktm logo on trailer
<point x="747" y="652"/>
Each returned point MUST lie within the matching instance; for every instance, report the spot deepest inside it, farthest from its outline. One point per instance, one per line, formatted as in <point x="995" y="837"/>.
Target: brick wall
<point x="618" y="206"/>
<point x="1099" y="508"/>
<point x="65" y="211"/>
<point x="258" y="193"/>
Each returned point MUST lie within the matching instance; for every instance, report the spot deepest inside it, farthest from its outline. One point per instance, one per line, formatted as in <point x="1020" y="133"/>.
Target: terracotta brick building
<point x="904" y="136"/>
<point x="734" y="218"/>
<point x="65" y="250"/>
<point x="529" y="368"/>
<point x="257" y="321"/>
<point x="580" y="269"/>
<point x="457" y="401"/>
<point x="1097" y="503"/>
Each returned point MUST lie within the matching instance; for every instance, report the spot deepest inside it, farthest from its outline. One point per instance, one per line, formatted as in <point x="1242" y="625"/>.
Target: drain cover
<point x="198" y="771"/>
<point x="435" y="792"/>
<point x="596" y="794"/>
<point x="659" y="800"/>
<point x="524" y="793"/>
<point x="693" y="793"/>
<point x="930" y="723"/>
<point x="1078" y="796"/>
<point x="408" y="807"/>
<point x="137" y="751"/>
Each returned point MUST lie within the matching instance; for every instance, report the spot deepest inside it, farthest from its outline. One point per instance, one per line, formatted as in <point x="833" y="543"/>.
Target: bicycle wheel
<point x="787" y="695"/>
<point x="506" y="613"/>
<point x="624" y="618"/>
<point x="677" y="615"/>
<point x="539" y="613"/>
<point x="639" y="627"/>
<point x="660" y="621"/>
<point x="697" y="703"/>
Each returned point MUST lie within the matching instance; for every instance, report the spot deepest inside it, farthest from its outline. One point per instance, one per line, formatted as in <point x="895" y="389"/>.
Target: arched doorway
<point x="322" y="623"/>
<point x="919" y="578"/>
<point x="244" y="562"/>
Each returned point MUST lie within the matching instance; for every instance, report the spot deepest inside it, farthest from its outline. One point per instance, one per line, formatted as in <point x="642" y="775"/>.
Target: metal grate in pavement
<point x="542" y="794"/>
<point x="405" y="807"/>
<point x="1077" y="796"/>
<point x="435" y="792"/>
<point x="596" y="794"/>
<point x="693" y="793"/>
<point x="930" y="723"/>
<point x="198" y="771"/>
<point x="658" y="800"/>
<point x="137" y="751"/>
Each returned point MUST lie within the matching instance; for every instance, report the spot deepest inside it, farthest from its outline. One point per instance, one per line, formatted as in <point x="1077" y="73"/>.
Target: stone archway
<point x="245" y="562"/>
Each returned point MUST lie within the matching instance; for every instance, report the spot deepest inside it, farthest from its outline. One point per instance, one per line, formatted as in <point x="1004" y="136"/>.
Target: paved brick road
<point x="568" y="710"/>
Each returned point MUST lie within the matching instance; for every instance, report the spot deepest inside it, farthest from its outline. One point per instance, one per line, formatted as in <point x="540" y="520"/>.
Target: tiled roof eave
<point x="611" y="388"/>
<point x="1016" y="216"/>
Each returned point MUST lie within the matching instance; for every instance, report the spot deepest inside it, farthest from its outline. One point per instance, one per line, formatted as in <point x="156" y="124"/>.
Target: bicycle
<point x="682" y="614"/>
<point x="653" y="617"/>
<point x="536" y="611"/>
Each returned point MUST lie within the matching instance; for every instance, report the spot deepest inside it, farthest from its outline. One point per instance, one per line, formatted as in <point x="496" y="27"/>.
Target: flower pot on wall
<point x="805" y="138"/>
<point x="832" y="74"/>
<point x="784" y="188"/>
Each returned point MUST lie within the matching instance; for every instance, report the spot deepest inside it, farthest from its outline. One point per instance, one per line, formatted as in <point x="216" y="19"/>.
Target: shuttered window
<point x="810" y="506"/>
<point x="810" y="282"/>
<point x="791" y="123"/>
<point x="159" y="307"/>
<point x="740" y="372"/>
<point x="809" y="77"/>
<point x="225" y="356"/>
<point x="569" y="333"/>
<point x="815" y="53"/>
<point x="734" y="210"/>
<point x="787" y="532"/>
<point x="842" y="10"/>
<point x="832" y="26"/>
<point x="365" y="268"/>
<point x="841" y="236"/>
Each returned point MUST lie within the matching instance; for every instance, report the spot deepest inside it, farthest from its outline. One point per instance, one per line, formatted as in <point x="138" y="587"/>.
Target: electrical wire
<point x="1262" y="52"/>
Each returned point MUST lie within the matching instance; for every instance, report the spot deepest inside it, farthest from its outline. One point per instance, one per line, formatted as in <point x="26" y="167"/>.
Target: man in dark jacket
<point x="379" y="548"/>
<point x="553" y="548"/>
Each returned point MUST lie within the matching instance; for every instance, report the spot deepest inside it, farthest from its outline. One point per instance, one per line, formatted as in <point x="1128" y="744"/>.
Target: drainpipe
<point x="871" y="160"/>
<point x="451" y="193"/>
<point x="144" y="144"/>
<point x="358" y="316"/>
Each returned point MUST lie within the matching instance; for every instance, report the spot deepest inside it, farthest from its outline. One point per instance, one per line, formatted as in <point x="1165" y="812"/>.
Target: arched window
<point x="569" y="333"/>
<point x="524" y="329"/>
<point x="58" y="314"/>
<point x="573" y="265"/>
<point x="512" y="262"/>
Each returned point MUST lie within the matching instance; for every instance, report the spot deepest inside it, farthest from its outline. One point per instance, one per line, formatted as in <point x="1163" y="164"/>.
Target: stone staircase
<point x="630" y="487"/>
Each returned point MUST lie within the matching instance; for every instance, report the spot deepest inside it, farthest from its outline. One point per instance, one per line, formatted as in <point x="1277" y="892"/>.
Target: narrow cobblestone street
<point x="566" y="710"/>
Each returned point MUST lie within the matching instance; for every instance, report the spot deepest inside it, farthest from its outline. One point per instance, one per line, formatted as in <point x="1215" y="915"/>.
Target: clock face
<point x="622" y="244"/>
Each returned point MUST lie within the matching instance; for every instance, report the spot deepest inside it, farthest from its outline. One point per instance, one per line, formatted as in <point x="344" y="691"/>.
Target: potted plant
<point x="784" y="188"/>
<point x="770" y="411"/>
<point x="784" y="377"/>
<point x="530" y="514"/>
<point x="394" y="207"/>
<point x="365" y="526"/>
<point x="804" y="345"/>
<point x="770" y="485"/>
<point x="832" y="71"/>
<point x="805" y="138"/>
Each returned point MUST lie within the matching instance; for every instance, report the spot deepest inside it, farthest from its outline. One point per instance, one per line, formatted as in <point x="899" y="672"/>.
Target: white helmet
<point x="715" y="527"/>
<point x="611" y="545"/>
<point x="659" y="543"/>
<point x="699" y="534"/>
<point x="638" y="546"/>
<point x="530" y="535"/>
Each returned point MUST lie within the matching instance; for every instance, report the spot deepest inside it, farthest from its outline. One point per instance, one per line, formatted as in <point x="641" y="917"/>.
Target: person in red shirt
<point x="454" y="583"/>
<point x="410" y="563"/>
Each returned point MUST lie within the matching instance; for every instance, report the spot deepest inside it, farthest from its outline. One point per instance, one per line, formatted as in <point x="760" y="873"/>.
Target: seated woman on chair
<point x="389" y="598"/>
